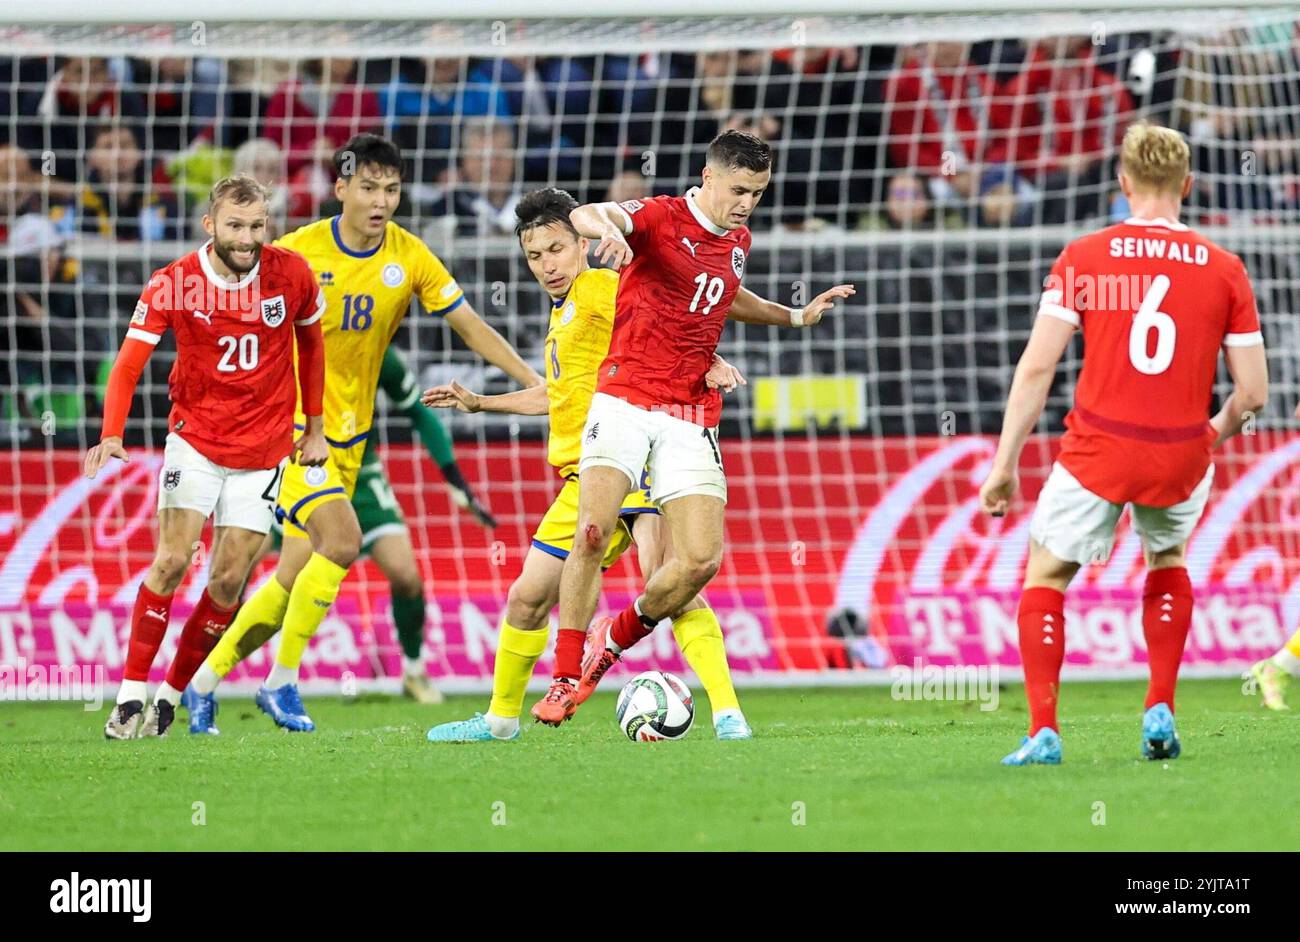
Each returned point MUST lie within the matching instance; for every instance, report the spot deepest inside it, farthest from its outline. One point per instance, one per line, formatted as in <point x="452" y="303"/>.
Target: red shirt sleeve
<point x="1059" y="298"/>
<point x="122" y="380"/>
<point x="1243" y="318"/>
<point x="311" y="367"/>
<point x="646" y="217"/>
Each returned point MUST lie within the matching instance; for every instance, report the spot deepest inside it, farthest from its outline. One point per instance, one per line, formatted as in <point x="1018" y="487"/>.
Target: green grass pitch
<point x="829" y="769"/>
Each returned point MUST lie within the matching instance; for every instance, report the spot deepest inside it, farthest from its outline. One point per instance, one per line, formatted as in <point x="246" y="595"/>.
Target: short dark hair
<point x="740" y="150"/>
<point x="368" y="150"/>
<point x="545" y="207"/>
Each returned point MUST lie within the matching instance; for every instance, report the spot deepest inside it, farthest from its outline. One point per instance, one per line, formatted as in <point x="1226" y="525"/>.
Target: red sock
<point x="148" y="625"/>
<point x="1041" y="620"/>
<point x="203" y="629"/>
<point x="568" y="653"/>
<point x="628" y="628"/>
<point x="1166" y="616"/>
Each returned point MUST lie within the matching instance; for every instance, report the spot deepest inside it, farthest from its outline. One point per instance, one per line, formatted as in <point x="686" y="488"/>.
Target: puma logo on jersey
<point x="688" y="244"/>
<point x="203" y="317"/>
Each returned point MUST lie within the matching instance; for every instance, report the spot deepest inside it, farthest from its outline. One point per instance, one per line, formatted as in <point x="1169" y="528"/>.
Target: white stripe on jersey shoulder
<point x="216" y="279"/>
<point x="1060" y="312"/>
<point x="135" y="333"/>
<point x="702" y="219"/>
<point x="1252" y="339"/>
<point x="1158" y="221"/>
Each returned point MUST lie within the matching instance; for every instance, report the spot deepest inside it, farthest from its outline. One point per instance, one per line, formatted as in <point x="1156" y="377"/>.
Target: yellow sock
<point x="264" y="610"/>
<point x="1293" y="644"/>
<point x="314" y="591"/>
<point x="517" y="654"/>
<point x="700" y="637"/>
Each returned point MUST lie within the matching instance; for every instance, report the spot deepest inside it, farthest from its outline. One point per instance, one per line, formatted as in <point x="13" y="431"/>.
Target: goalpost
<point x="854" y="543"/>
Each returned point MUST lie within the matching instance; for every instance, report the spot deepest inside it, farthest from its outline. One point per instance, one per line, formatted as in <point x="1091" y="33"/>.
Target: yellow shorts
<point x="304" y="489"/>
<point x="556" y="531"/>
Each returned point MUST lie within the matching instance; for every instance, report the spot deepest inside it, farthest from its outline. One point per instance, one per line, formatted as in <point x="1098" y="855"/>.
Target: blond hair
<point x="240" y="188"/>
<point x="1155" y="158"/>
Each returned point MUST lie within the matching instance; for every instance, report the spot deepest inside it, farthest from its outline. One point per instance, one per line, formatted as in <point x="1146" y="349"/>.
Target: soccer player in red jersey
<point x="682" y="261"/>
<point x="236" y="307"/>
<point x="1156" y="302"/>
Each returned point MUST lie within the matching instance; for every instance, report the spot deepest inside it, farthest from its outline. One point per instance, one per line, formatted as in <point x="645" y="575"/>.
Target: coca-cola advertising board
<point x="886" y="528"/>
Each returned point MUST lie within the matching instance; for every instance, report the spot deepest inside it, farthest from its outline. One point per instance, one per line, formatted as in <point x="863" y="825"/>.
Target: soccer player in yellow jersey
<point x="369" y="269"/>
<point x="582" y="317"/>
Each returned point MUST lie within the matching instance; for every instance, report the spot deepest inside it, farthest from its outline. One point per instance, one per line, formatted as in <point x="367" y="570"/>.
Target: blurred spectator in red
<point x="180" y="98"/>
<point x="938" y="121"/>
<point x="121" y="194"/>
<point x="312" y="116"/>
<point x="1063" y="115"/>
<point x="78" y="97"/>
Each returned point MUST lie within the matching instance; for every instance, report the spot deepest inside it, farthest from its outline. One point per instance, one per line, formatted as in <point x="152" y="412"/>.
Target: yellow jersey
<point x="577" y="342"/>
<point x="366" y="296"/>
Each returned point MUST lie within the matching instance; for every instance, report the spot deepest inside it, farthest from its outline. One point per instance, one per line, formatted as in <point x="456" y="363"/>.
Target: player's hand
<point x="98" y="456"/>
<point x="996" y="492"/>
<point x="825" y="302"/>
<point x="452" y="396"/>
<point x="613" y="249"/>
<point x="311" y="450"/>
<point x="722" y="375"/>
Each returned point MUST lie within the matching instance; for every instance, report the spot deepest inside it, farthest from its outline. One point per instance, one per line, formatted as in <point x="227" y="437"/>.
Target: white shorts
<point x="1074" y="524"/>
<point x="683" y="458"/>
<point x="233" y="497"/>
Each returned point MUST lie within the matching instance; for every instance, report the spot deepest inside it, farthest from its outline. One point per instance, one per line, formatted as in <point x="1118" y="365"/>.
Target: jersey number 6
<point x="1149" y="317"/>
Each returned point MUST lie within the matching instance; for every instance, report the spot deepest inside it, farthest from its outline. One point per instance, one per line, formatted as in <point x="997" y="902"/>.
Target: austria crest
<point x="273" y="311"/>
<point x="738" y="261"/>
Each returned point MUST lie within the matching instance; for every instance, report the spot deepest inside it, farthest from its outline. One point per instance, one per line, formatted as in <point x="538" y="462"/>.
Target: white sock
<point x="413" y="666"/>
<point x="132" y="690"/>
<point x="502" y="727"/>
<point x="610" y="645"/>
<point x="1283" y="659"/>
<point x="169" y="693"/>
<point x="205" y="680"/>
<point x="280" y="676"/>
<point x="725" y="713"/>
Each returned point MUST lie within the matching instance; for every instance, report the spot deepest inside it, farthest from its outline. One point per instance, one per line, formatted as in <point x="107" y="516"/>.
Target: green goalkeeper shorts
<point x="376" y="507"/>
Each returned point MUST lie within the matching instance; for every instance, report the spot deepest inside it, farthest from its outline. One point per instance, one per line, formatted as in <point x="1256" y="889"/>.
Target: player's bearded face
<point x="238" y="237"/>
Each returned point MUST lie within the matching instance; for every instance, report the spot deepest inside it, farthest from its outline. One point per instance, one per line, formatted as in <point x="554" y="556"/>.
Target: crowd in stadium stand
<point x="994" y="134"/>
<point x="937" y="136"/>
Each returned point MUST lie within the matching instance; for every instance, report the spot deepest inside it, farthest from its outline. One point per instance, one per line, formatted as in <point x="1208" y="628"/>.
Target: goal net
<point x="935" y="159"/>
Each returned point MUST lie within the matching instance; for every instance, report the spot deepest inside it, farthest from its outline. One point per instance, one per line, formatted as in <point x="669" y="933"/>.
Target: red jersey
<point x="232" y="386"/>
<point x="1156" y="302"/>
<point x="671" y="306"/>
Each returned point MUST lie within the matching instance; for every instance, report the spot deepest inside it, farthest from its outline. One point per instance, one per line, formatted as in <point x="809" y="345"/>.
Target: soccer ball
<point x="654" y="706"/>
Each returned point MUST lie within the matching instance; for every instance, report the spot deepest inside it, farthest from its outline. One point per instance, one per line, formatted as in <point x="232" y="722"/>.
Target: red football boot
<point x="559" y="704"/>
<point x="598" y="658"/>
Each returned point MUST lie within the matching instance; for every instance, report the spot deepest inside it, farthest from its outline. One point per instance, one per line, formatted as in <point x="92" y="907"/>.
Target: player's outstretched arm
<point x="749" y="308"/>
<point x="480" y="337"/>
<point x="530" y="401"/>
<point x="1248" y="367"/>
<point x="1029" y="388"/>
<point x="610" y="224"/>
<point x="122" y="380"/>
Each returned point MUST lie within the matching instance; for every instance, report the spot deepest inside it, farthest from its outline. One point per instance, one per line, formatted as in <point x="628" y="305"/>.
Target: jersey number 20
<point x="1149" y="317"/>
<point x="242" y="349"/>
